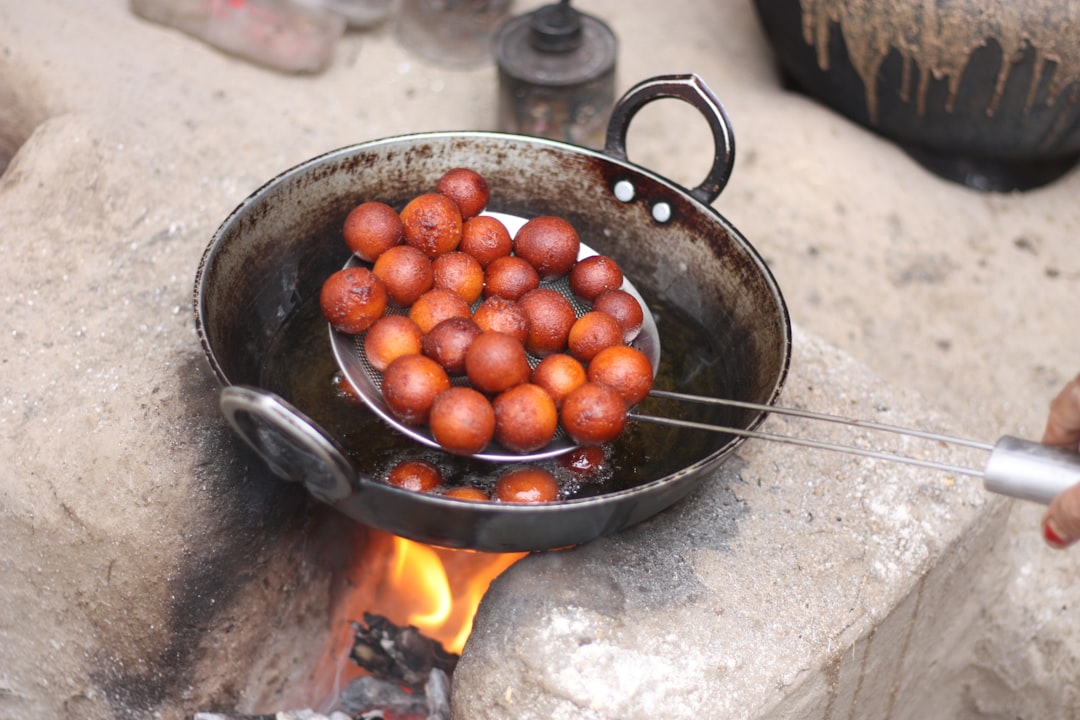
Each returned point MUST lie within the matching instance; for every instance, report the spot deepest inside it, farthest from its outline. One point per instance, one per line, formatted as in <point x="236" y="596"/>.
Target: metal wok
<point x="263" y="269"/>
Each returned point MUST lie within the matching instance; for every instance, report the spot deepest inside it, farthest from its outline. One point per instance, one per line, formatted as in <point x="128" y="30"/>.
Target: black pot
<point x="987" y="94"/>
<point x="262" y="272"/>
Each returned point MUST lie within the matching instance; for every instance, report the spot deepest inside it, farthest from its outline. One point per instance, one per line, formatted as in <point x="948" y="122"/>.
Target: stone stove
<point x="152" y="567"/>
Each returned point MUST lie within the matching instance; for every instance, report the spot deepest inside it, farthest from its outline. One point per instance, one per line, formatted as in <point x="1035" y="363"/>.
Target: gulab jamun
<point x="593" y="414"/>
<point x="624" y="368"/>
<point x="447" y="342"/>
<point x="510" y="277"/>
<point x="593" y="275"/>
<point x="585" y="462"/>
<point x="390" y="337"/>
<point x="437" y="305"/>
<point x="465" y="187"/>
<point x="486" y="239"/>
<point x="466" y="492"/>
<point x="525" y="418"/>
<point x="352" y="299"/>
<point x="415" y="475"/>
<point x="406" y="272"/>
<point x="432" y="224"/>
<point x="371" y="228"/>
<point x="559" y="374"/>
<point x="462" y="420"/>
<point x="550" y="317"/>
<point x="409" y="386"/>
<point x="550" y="243"/>
<point x="496" y="362"/>
<point x="591" y="333"/>
<point x="625" y="308"/>
<point x="499" y="314"/>
<point x="461" y="273"/>
<point x="528" y="484"/>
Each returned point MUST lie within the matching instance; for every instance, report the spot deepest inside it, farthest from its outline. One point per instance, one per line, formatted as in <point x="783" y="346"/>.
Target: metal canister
<point x="556" y="75"/>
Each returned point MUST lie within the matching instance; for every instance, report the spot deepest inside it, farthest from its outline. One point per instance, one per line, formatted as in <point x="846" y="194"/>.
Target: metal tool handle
<point x="294" y="447"/>
<point x="693" y="90"/>
<point x="1029" y="470"/>
<point x="1022" y="469"/>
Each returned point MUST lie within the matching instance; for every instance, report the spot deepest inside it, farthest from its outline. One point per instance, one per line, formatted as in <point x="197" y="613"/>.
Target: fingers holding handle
<point x="1061" y="522"/>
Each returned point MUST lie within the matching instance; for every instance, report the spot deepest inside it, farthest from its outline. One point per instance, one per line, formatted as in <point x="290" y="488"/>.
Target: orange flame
<point x="437" y="590"/>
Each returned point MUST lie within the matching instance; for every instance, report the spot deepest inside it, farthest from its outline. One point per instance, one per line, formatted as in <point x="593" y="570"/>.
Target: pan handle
<point x="689" y="88"/>
<point x="290" y="443"/>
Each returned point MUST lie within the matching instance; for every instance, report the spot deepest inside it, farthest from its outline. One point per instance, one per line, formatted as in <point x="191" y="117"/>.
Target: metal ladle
<point x="1016" y="467"/>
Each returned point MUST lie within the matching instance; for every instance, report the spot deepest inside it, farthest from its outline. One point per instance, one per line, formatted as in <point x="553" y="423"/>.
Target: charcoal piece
<point x="401" y="655"/>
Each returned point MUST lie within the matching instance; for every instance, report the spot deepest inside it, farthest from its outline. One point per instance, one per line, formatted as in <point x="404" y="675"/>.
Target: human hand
<point x="1061" y="522"/>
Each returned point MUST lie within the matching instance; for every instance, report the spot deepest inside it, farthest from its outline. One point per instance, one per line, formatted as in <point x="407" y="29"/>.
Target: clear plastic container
<point x="452" y="32"/>
<point x="280" y="34"/>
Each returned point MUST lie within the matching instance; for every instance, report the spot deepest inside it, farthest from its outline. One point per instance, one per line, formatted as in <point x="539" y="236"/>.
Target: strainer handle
<point x="290" y="443"/>
<point x="691" y="89"/>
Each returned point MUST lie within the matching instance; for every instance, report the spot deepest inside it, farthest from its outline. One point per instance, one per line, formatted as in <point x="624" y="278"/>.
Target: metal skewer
<point x="1018" y="468"/>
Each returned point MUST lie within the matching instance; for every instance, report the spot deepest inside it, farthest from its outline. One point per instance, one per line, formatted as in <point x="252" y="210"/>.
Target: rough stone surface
<point x="796" y="583"/>
<point x="141" y="541"/>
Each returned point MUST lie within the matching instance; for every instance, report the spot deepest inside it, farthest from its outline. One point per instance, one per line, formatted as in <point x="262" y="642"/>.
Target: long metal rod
<point x="978" y="444"/>
<point x="805" y="442"/>
<point x="818" y="444"/>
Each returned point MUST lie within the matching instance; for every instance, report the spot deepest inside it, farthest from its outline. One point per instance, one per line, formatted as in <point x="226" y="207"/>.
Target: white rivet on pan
<point x="661" y="212"/>
<point x="624" y="190"/>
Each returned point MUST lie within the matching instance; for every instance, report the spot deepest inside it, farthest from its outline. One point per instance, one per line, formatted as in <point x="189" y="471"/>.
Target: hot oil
<point x="300" y="367"/>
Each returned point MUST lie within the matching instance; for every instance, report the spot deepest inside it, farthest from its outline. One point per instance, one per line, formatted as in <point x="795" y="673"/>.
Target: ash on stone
<point x="286" y="715"/>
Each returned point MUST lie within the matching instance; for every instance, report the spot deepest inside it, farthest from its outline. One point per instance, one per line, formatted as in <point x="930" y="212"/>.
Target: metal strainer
<point x="352" y="360"/>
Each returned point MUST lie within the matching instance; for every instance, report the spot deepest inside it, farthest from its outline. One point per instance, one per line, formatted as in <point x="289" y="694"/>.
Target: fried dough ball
<point x="447" y="342"/>
<point x="466" y="492"/>
<point x="593" y="414"/>
<point x="462" y="420"/>
<point x="496" y="362"/>
<point x="625" y="308"/>
<point x="465" y="187"/>
<point x="437" y="305"/>
<point x="525" y="418"/>
<point x="371" y="228"/>
<point x="559" y="374"/>
<point x="593" y="275"/>
<point x="415" y="475"/>
<point x="461" y="273"/>
<point x="390" y="337"/>
<point x="529" y="484"/>
<point x="432" y="224"/>
<point x="550" y="317"/>
<point x="498" y="314"/>
<point x="585" y="462"/>
<point x="624" y="368"/>
<point x="510" y="277"/>
<point x="406" y="272"/>
<point x="353" y="299"/>
<point x="591" y="333"/>
<point x="486" y="239"/>
<point x="410" y="385"/>
<point x="550" y="244"/>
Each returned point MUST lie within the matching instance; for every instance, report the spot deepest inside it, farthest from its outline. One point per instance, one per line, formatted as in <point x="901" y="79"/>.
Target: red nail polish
<point x="1052" y="537"/>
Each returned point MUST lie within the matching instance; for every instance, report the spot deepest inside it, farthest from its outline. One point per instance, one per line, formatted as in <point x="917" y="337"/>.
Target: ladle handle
<point x="1029" y="470"/>
<point x="691" y="89"/>
<point x="1022" y="469"/>
<point x="290" y="443"/>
